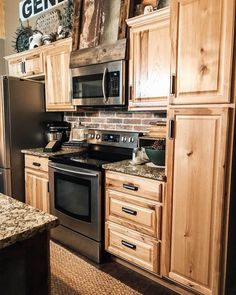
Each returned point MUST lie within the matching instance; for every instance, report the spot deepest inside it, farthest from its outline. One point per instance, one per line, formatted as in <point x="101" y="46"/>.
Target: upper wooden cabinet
<point x="28" y="64"/>
<point x="149" y="64"/>
<point x="202" y="34"/>
<point x="196" y="193"/>
<point x="58" y="77"/>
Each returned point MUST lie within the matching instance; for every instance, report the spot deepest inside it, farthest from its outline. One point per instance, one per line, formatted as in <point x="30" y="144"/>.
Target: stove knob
<point x="98" y="136"/>
<point x="124" y="139"/>
<point x="92" y="136"/>
<point x="131" y="139"/>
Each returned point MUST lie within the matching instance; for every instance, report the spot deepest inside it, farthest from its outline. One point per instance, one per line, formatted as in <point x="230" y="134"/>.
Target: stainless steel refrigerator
<point x="22" y="125"/>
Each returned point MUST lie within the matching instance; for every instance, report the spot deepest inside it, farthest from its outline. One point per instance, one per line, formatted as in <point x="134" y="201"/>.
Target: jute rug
<point x="70" y="275"/>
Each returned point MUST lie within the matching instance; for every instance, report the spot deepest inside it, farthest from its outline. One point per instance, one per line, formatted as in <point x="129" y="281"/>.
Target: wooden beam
<point x="2" y="19"/>
<point x="99" y="54"/>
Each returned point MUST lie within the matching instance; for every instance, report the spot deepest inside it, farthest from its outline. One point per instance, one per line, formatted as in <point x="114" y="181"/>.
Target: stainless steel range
<point x="76" y="185"/>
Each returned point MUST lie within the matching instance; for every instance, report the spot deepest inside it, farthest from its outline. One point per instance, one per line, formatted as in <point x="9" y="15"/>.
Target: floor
<point x="129" y="277"/>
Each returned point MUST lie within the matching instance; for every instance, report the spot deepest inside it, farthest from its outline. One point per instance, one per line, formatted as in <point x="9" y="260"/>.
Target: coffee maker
<point x="57" y="133"/>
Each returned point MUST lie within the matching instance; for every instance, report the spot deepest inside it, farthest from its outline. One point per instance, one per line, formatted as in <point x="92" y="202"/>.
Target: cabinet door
<point x="202" y="48"/>
<point x="195" y="179"/>
<point x="58" y="78"/>
<point x="33" y="64"/>
<point x="150" y="60"/>
<point x="36" y="189"/>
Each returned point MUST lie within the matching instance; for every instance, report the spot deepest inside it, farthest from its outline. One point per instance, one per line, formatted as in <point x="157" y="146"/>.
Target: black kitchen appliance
<point x="57" y="133"/>
<point x="76" y="183"/>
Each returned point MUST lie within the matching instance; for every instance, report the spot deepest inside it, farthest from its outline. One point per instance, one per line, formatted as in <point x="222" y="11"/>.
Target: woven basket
<point x="48" y="23"/>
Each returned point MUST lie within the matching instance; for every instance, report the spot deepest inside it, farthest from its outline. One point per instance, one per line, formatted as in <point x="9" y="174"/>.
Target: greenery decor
<point x="21" y="40"/>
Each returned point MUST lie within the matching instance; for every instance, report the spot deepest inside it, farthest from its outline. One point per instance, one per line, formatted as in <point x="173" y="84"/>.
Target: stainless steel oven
<point x="75" y="196"/>
<point x="100" y="84"/>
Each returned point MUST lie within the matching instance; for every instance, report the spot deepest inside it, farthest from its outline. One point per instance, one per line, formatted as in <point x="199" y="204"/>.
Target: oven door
<point x="99" y="85"/>
<point x="75" y="198"/>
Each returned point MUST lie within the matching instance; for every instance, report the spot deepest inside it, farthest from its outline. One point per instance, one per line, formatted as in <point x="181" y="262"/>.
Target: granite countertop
<point x="137" y="170"/>
<point x="40" y="153"/>
<point x="19" y="221"/>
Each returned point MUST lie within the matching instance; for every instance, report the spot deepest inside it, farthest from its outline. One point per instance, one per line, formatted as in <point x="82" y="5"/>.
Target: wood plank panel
<point x="91" y="22"/>
<point x="198" y="164"/>
<point x="76" y="24"/>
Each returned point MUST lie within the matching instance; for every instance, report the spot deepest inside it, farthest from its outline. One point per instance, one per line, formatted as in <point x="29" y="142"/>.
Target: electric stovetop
<point x="93" y="156"/>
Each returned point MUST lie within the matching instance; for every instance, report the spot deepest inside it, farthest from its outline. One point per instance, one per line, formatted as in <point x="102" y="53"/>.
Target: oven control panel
<point x="113" y="138"/>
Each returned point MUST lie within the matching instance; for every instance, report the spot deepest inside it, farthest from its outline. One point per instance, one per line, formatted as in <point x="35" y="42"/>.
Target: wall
<point x="112" y="120"/>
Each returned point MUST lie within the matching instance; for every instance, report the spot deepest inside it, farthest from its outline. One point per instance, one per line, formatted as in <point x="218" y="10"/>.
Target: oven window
<point x="73" y="196"/>
<point x="89" y="86"/>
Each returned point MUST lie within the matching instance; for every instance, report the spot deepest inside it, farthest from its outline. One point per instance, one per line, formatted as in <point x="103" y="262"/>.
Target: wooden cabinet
<point x="202" y="35"/>
<point x="36" y="182"/>
<point x="196" y="193"/>
<point x="149" y="64"/>
<point x="58" y="77"/>
<point x="30" y="64"/>
<point x="134" y="219"/>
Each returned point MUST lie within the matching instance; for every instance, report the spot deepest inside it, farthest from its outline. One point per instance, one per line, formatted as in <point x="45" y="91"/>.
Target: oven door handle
<point x="72" y="171"/>
<point x="104" y="81"/>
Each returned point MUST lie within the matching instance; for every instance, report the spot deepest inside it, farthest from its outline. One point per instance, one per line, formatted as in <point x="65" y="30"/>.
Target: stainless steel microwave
<point x="100" y="84"/>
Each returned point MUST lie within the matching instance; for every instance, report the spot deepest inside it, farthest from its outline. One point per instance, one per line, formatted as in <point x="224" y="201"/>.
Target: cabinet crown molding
<point x="157" y="15"/>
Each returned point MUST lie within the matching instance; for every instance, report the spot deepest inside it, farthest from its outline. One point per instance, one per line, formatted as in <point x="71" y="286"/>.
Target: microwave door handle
<point x="104" y="83"/>
<point x="72" y="171"/>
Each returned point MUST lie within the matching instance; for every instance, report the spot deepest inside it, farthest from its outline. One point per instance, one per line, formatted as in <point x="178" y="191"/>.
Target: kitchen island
<point x="24" y="248"/>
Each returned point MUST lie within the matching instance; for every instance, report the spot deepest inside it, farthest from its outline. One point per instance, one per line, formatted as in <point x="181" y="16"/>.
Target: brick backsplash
<point x="110" y="120"/>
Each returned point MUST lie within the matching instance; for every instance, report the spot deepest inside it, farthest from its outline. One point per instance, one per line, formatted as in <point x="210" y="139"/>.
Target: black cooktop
<point x="93" y="156"/>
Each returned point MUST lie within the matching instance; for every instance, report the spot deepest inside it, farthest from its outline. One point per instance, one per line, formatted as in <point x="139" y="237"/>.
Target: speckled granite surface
<point x="40" y="153"/>
<point x="19" y="221"/>
<point x="137" y="170"/>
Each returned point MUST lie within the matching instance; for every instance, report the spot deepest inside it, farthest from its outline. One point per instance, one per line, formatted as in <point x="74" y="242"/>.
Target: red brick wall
<point x="111" y="120"/>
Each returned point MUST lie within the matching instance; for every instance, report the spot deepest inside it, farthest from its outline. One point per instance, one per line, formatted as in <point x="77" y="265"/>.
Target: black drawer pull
<point x="130" y="187"/>
<point x="128" y="245"/>
<point x="129" y="211"/>
<point x="36" y="164"/>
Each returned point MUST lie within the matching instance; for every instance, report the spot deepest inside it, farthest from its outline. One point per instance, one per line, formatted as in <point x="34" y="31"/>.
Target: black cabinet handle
<point x="22" y="67"/>
<point x="171" y="129"/>
<point x="129" y="211"/>
<point x="36" y="164"/>
<point x="128" y="245"/>
<point x="130" y="187"/>
<point x="173" y="85"/>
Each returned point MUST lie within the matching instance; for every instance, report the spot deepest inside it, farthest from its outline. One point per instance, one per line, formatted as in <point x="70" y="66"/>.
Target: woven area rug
<point x="70" y="275"/>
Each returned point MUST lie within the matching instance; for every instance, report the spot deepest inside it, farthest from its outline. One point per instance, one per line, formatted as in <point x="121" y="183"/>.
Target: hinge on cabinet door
<point x="171" y="129"/>
<point x="130" y="92"/>
<point x="48" y="186"/>
<point x="173" y="84"/>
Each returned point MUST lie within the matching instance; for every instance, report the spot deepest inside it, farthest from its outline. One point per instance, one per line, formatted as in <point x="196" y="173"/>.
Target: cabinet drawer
<point x="133" y="247"/>
<point x="134" y="185"/>
<point x="37" y="163"/>
<point x="133" y="212"/>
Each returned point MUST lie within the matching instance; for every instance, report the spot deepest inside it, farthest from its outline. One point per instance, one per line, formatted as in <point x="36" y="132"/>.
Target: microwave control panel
<point x="114" y="82"/>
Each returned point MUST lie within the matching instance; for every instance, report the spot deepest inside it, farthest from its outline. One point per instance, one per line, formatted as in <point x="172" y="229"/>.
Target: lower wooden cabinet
<point x="196" y="192"/>
<point x="36" y="182"/>
<point x="133" y="214"/>
<point x="133" y="247"/>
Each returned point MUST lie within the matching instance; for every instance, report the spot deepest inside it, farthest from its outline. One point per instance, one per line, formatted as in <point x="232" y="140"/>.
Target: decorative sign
<point x="30" y="8"/>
